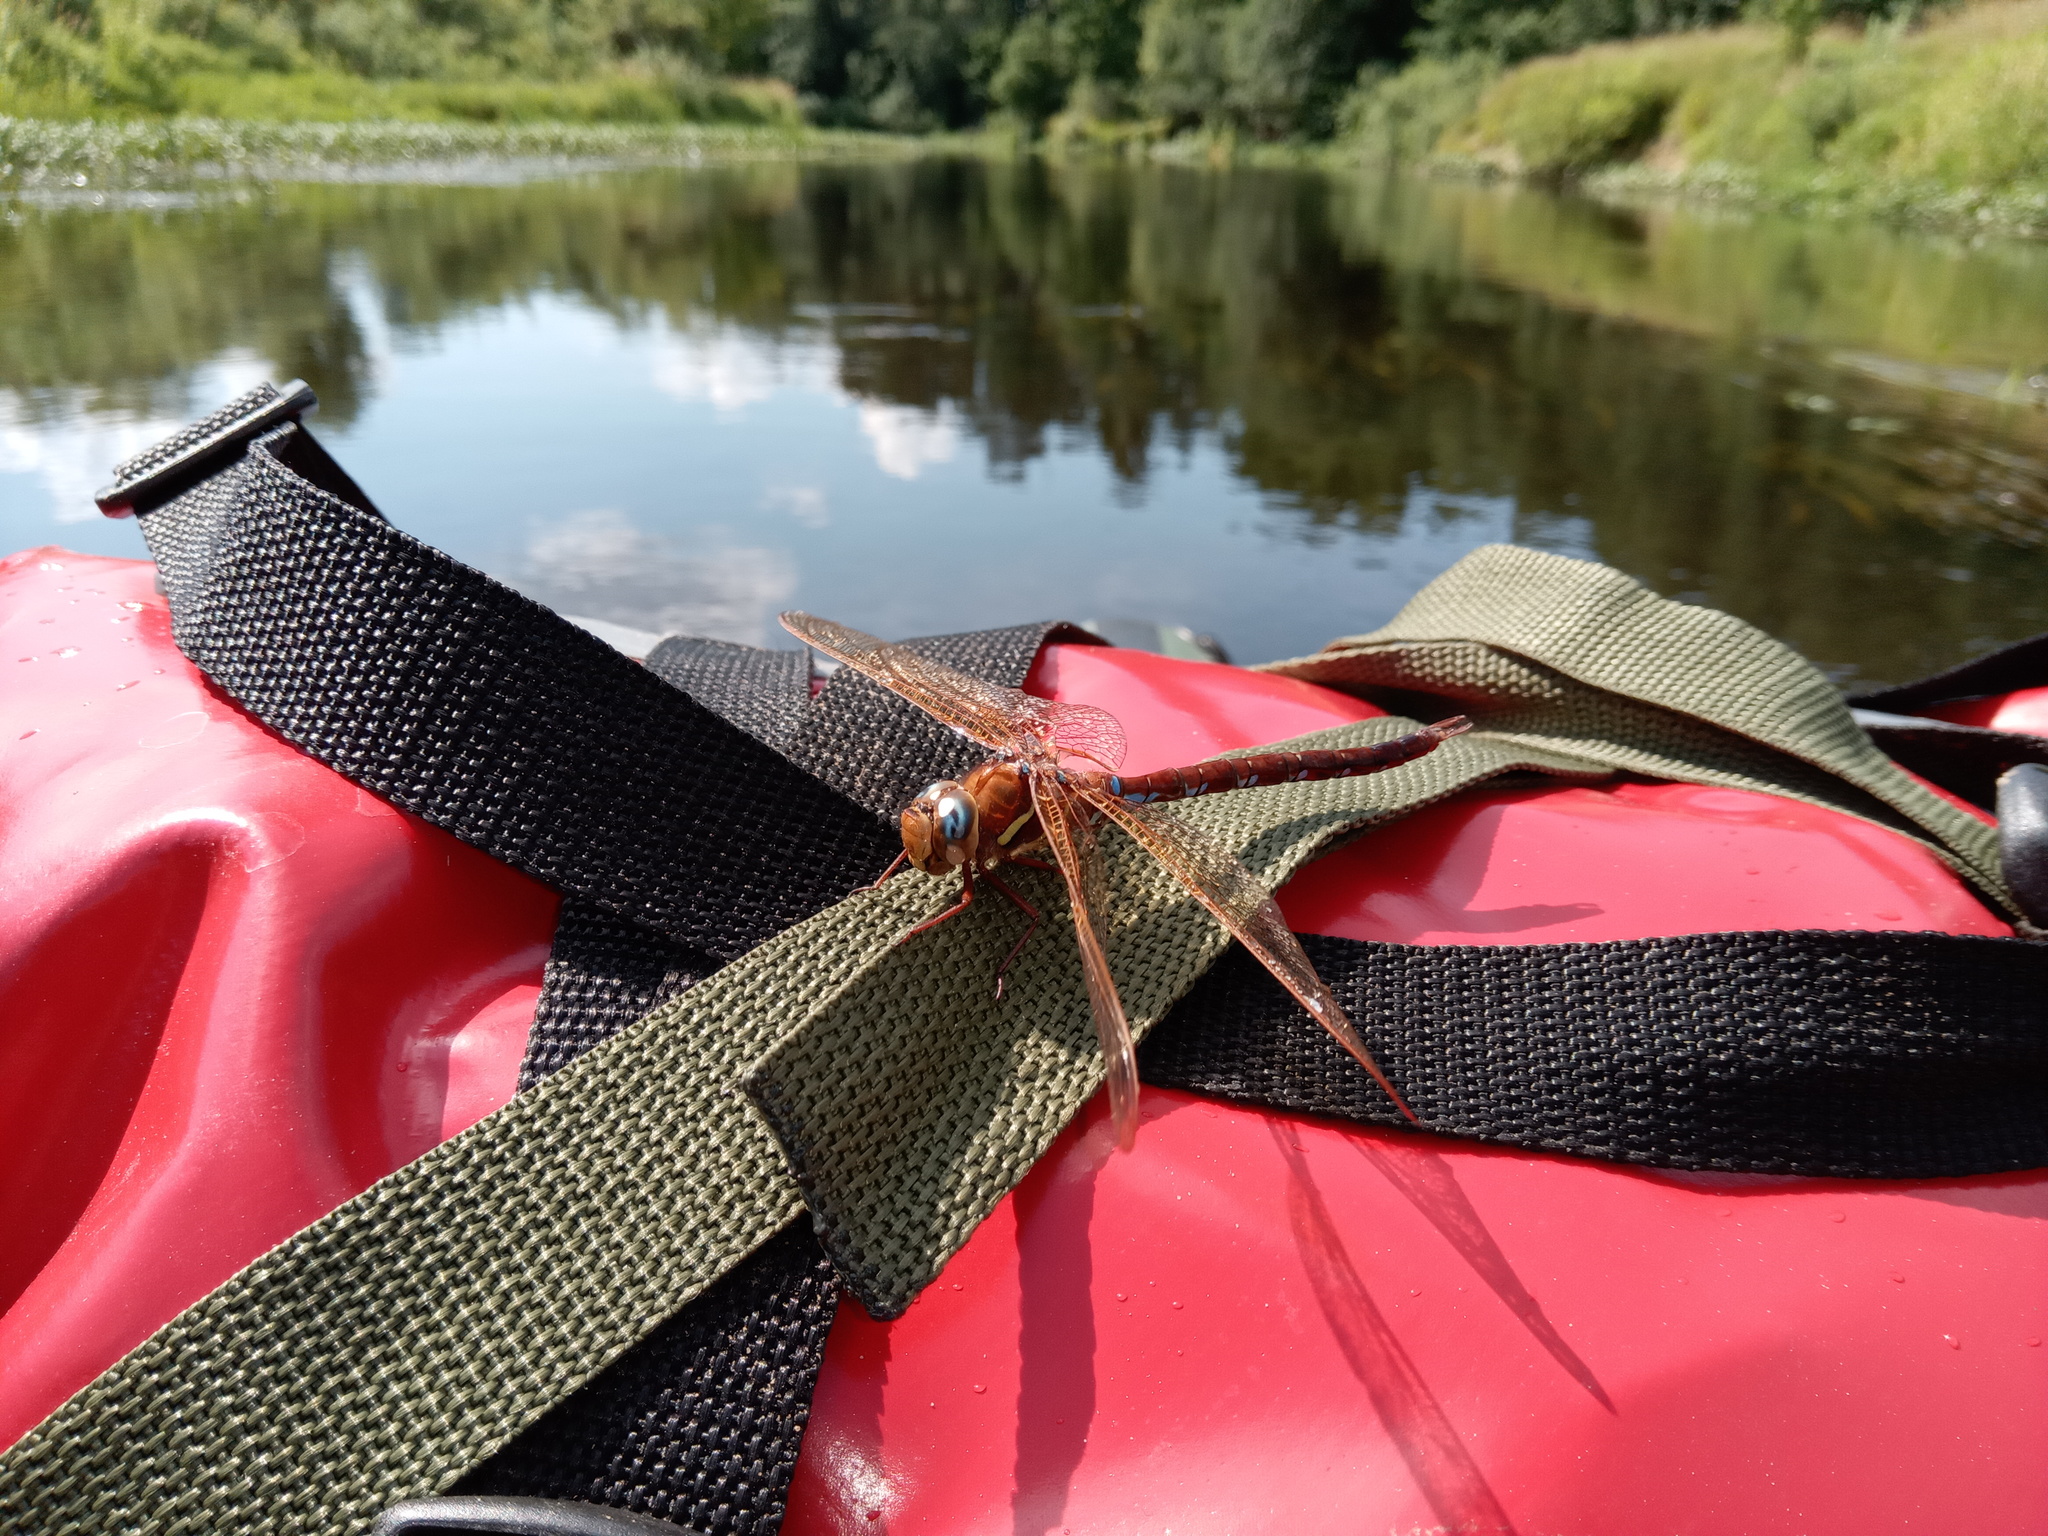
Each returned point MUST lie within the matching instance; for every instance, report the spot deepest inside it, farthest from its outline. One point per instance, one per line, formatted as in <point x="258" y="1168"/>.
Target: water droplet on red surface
<point x="2033" y="1343"/>
<point x="1898" y="1279"/>
<point x="1176" y="1306"/>
<point x="133" y="607"/>
<point x="1837" y="1216"/>
<point x="1951" y="1341"/>
<point x="68" y="652"/>
<point x="1120" y="1296"/>
<point x="24" y="736"/>
<point x="979" y="1387"/>
<point x="127" y="685"/>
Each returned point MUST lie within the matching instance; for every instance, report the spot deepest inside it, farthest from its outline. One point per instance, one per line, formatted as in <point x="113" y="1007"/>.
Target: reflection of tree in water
<point x="1342" y="340"/>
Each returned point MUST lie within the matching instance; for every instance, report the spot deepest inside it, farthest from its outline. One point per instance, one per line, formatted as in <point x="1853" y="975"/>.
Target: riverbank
<point x="1946" y="124"/>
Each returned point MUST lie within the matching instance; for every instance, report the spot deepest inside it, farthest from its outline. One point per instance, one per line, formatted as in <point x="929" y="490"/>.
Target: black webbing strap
<point x="2023" y="664"/>
<point x="701" y="1421"/>
<point x="764" y="693"/>
<point x="1860" y="1055"/>
<point x="1965" y="760"/>
<point x="482" y="712"/>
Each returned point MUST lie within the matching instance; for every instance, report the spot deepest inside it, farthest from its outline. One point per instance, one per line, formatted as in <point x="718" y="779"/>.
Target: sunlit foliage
<point x="1960" y="102"/>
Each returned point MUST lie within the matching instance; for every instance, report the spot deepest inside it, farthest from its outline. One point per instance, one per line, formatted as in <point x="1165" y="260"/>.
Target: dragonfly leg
<point x="1032" y="864"/>
<point x="966" y="900"/>
<point x="1029" y="928"/>
<point x="882" y="879"/>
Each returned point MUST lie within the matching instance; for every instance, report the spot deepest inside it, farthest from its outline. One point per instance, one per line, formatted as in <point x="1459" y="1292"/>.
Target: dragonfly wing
<point x="1073" y="845"/>
<point x="989" y="713"/>
<point x="1001" y="719"/>
<point x="1082" y="730"/>
<point x="1219" y="881"/>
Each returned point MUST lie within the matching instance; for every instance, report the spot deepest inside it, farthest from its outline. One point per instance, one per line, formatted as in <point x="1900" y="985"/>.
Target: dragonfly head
<point x="942" y="828"/>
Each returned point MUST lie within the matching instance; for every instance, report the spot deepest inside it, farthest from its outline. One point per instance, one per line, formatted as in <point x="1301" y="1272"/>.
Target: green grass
<point x="1946" y="124"/>
<point x="328" y="96"/>
<point x="321" y="96"/>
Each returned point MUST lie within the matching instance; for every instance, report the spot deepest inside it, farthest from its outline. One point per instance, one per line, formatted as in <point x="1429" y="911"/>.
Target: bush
<point x="1961" y="103"/>
<point x="627" y="60"/>
<point x="1401" y="116"/>
<point x="1555" y="116"/>
<point x="1509" y="32"/>
<point x="1985" y="124"/>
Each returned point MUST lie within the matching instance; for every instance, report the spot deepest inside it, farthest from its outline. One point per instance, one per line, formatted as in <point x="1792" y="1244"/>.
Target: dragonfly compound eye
<point x="941" y="828"/>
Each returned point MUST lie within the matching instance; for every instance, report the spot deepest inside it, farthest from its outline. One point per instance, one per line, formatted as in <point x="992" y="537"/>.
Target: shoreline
<point x="92" y="161"/>
<point x="142" y="154"/>
<point x="2021" y="214"/>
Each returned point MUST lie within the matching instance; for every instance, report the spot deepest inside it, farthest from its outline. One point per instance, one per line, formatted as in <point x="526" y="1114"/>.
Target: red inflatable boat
<point x="238" y="990"/>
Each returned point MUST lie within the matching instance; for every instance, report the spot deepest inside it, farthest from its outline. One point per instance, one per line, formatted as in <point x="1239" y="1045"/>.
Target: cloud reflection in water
<point x="601" y="565"/>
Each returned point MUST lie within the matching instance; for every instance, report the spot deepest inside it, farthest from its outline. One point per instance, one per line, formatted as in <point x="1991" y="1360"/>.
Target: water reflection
<point x="601" y="564"/>
<point x="941" y="394"/>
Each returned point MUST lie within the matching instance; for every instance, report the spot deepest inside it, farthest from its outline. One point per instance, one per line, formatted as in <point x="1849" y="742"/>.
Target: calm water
<point x="944" y="395"/>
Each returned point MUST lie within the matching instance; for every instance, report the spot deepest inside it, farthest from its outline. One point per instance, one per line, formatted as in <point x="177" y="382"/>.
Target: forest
<point x="1263" y="70"/>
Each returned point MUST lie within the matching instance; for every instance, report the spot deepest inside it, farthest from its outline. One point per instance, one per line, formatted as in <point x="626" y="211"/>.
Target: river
<point x="941" y="394"/>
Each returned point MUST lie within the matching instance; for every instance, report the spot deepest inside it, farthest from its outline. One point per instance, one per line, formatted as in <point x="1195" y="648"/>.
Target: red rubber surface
<point x="234" y="990"/>
<point x="2025" y="710"/>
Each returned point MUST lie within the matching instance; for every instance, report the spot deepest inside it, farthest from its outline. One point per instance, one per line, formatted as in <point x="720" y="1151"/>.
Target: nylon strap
<point x="410" y="1333"/>
<point x="1578" y="658"/>
<point x="1747" y="1052"/>
<point x="2023" y="664"/>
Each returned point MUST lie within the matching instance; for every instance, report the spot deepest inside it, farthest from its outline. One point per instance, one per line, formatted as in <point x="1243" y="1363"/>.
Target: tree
<point x="1032" y="82"/>
<point x="1181" y="67"/>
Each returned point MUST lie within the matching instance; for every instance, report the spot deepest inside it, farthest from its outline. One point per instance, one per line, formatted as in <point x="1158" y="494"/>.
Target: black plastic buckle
<point x="464" y="1515"/>
<point x="2023" y="838"/>
<point x="152" y="487"/>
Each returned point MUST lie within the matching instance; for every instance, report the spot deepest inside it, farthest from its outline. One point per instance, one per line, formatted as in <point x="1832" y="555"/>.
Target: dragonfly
<point x="1048" y="788"/>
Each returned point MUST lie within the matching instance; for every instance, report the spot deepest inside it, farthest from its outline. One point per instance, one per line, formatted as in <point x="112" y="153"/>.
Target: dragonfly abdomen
<point x="1218" y="774"/>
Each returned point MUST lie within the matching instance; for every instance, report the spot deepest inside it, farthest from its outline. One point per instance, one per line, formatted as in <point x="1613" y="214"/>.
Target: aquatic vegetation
<point x="88" y="153"/>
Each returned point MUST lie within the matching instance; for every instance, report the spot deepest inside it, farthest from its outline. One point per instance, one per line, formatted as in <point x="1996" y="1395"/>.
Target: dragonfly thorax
<point x="982" y="819"/>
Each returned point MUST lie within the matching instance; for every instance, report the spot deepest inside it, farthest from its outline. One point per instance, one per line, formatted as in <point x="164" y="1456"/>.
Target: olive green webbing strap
<point x="405" y="1336"/>
<point x="1578" y="658"/>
